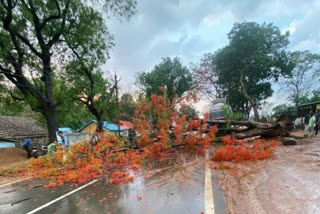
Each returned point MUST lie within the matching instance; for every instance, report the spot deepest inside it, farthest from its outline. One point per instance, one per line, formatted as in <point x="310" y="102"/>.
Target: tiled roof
<point x="126" y="124"/>
<point x="19" y="126"/>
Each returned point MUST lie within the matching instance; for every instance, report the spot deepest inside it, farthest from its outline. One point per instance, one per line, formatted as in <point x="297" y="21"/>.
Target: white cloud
<point x="188" y="29"/>
<point x="212" y="19"/>
<point x="292" y="28"/>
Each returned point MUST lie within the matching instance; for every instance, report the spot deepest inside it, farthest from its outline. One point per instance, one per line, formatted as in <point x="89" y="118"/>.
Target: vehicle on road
<point x="217" y="112"/>
<point x="39" y="150"/>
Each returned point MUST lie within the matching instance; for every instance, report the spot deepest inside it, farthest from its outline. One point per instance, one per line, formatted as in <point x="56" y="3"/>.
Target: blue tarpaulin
<point x="6" y="144"/>
<point x="66" y="129"/>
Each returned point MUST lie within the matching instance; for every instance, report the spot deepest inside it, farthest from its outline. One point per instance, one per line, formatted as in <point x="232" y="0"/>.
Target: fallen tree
<point x="247" y="129"/>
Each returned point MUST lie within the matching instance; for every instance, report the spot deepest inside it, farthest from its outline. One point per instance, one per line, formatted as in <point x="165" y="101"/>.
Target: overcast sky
<point x="188" y="29"/>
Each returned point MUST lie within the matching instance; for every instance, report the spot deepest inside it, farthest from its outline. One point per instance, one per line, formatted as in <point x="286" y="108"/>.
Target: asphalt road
<point x="173" y="190"/>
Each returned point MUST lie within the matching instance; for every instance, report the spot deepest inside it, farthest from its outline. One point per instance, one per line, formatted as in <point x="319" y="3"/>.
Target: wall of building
<point x="19" y="140"/>
<point x="77" y="137"/>
<point x="44" y="140"/>
<point x="91" y="128"/>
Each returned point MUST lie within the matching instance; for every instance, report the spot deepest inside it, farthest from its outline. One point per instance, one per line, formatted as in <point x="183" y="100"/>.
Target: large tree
<point x="33" y="45"/>
<point x="170" y="73"/>
<point x="87" y="83"/>
<point x="304" y="77"/>
<point x="205" y="78"/>
<point x="255" y="55"/>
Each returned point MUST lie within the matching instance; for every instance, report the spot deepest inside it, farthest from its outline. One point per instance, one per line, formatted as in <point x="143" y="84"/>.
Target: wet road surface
<point x="176" y="189"/>
<point x="289" y="184"/>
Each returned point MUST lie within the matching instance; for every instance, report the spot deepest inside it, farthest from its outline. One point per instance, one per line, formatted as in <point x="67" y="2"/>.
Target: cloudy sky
<point x="188" y="29"/>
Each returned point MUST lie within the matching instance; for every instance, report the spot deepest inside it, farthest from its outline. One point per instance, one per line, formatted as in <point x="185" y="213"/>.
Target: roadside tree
<point x="171" y="74"/>
<point x="304" y="77"/>
<point x="205" y="78"/>
<point x="127" y="107"/>
<point x="255" y="55"/>
<point x="34" y="46"/>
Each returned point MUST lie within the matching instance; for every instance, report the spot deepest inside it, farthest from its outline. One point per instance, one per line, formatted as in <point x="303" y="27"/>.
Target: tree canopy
<point x="36" y="41"/>
<point x="255" y="55"/>
<point x="171" y="74"/>
<point x="304" y="77"/>
<point x="284" y="110"/>
<point x="205" y="77"/>
<point x="127" y="107"/>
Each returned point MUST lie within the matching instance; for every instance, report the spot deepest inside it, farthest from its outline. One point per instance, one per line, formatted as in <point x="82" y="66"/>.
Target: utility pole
<point x="117" y="101"/>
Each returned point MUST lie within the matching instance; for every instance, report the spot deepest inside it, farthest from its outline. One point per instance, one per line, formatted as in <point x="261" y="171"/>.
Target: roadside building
<point x="305" y="108"/>
<point x="18" y="129"/>
<point x="91" y="127"/>
<point x="127" y="126"/>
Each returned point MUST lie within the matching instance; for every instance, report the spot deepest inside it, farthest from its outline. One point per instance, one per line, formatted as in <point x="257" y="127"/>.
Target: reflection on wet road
<point x="175" y="189"/>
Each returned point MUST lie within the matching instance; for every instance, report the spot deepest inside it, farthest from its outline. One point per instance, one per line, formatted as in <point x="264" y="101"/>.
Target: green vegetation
<point x="170" y="73"/>
<point x="255" y="55"/>
<point x="38" y="39"/>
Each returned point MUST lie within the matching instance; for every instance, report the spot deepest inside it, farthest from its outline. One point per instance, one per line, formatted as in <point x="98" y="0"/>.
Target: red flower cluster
<point x="236" y="151"/>
<point x="120" y="177"/>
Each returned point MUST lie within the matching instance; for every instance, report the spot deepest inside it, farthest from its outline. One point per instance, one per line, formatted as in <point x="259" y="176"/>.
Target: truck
<point x="216" y="112"/>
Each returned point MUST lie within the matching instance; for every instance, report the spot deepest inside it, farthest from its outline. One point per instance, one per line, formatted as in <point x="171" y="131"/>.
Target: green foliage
<point x="232" y="115"/>
<point x="205" y="79"/>
<point x="170" y="73"/>
<point x="189" y="111"/>
<point x="315" y="96"/>
<point x="304" y="77"/>
<point x="127" y="107"/>
<point x="90" y="46"/>
<point x="256" y="54"/>
<point x="39" y="38"/>
<point x="13" y="107"/>
<point x="284" y="110"/>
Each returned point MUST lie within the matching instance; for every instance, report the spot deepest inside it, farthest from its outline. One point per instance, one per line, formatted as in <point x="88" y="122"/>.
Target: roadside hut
<point x="127" y="127"/>
<point x="18" y="129"/>
<point x="91" y="127"/>
<point x="305" y="108"/>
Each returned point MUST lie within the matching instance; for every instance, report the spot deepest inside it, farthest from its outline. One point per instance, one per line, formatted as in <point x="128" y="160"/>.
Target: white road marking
<point x="208" y="191"/>
<point x="7" y="184"/>
<point x="61" y="197"/>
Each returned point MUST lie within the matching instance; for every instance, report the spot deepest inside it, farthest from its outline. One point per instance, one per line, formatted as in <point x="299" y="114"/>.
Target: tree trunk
<point x="248" y="129"/>
<point x="52" y="126"/>
<point x="100" y="124"/>
<point x="49" y="105"/>
<point x="252" y="103"/>
<point x="248" y="124"/>
<point x="267" y="132"/>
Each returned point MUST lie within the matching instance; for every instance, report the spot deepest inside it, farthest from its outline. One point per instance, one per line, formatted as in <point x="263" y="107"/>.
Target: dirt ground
<point x="12" y="157"/>
<point x="289" y="184"/>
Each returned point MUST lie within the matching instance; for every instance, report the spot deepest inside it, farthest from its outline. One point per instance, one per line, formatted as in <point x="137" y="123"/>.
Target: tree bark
<point x="50" y="116"/>
<point x="267" y="132"/>
<point x="252" y="103"/>
<point x="249" y="124"/>
<point x="251" y="129"/>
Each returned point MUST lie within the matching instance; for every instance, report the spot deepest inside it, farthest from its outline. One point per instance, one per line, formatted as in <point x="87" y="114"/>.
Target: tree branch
<point x="48" y="19"/>
<point x="57" y="35"/>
